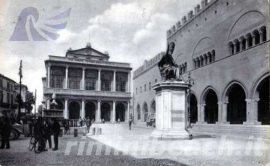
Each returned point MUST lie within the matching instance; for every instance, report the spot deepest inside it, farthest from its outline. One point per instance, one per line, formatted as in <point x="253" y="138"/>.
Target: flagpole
<point x="20" y="74"/>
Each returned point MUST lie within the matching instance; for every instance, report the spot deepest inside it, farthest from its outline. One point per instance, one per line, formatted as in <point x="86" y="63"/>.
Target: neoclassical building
<point x="224" y="46"/>
<point x="87" y="84"/>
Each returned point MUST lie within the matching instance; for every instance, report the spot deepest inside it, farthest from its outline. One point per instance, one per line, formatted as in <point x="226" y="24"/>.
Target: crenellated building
<point x="224" y="46"/>
<point x="87" y="84"/>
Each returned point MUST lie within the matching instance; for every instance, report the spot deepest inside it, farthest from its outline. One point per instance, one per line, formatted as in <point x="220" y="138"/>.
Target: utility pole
<point x="20" y="96"/>
<point x="35" y="102"/>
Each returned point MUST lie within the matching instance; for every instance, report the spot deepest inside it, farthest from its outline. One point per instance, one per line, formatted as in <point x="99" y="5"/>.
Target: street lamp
<point x="190" y="83"/>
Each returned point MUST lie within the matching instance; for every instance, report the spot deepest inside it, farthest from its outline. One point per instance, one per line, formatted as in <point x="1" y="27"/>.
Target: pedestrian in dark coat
<point x="5" y="132"/>
<point x="56" y="131"/>
<point x="88" y="124"/>
<point x="48" y="132"/>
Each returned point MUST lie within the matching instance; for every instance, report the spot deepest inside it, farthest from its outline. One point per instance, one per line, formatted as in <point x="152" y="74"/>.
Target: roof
<point x="88" y="51"/>
<point x="1" y="75"/>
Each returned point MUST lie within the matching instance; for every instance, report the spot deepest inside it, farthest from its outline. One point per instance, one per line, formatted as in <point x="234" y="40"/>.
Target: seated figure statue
<point x="167" y="66"/>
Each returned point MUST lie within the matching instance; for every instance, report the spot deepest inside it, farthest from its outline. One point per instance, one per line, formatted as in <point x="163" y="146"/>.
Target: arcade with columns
<point x="86" y="85"/>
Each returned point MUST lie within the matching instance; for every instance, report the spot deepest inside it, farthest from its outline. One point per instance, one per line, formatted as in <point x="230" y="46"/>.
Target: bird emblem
<point x="31" y="27"/>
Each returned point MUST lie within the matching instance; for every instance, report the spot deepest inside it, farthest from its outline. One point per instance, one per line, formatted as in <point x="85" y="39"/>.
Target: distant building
<point x="7" y="95"/>
<point x="87" y="84"/>
<point x="224" y="45"/>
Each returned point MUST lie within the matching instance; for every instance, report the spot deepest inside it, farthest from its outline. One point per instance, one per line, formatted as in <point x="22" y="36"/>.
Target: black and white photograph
<point x="134" y="83"/>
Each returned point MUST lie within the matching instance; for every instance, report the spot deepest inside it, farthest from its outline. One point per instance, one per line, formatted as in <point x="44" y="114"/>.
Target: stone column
<point x="248" y="111"/>
<point x="98" y="114"/>
<point x="83" y="79"/>
<point x="220" y="111"/>
<point x="66" y="109"/>
<point x="255" y="111"/>
<point x="128" y="112"/>
<point x="241" y="44"/>
<point x="225" y="112"/>
<point x="66" y="86"/>
<point x="261" y="37"/>
<point x="83" y="109"/>
<point x="247" y="41"/>
<point x="114" y="81"/>
<point x="129" y="82"/>
<point x="253" y="40"/>
<point x="99" y="79"/>
<point x="49" y="76"/>
<point x="234" y="48"/>
<point x="199" y="114"/>
<point x="203" y="113"/>
<point x="48" y="104"/>
<point x="113" y="113"/>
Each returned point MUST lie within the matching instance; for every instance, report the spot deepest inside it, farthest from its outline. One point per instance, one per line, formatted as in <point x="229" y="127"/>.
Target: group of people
<point x="43" y="129"/>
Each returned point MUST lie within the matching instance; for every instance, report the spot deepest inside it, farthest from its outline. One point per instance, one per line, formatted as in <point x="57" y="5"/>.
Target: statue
<point x="167" y="66"/>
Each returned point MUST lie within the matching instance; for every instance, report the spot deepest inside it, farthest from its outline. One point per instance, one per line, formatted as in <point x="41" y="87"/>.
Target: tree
<point x="29" y="101"/>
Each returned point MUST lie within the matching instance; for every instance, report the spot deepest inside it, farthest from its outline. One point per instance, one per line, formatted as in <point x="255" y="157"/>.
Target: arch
<point x="120" y="112"/>
<point x="145" y="112"/>
<point x="235" y="96"/>
<point x="193" y="108"/>
<point x="153" y="107"/>
<point x="74" y="110"/>
<point x="264" y="33"/>
<point x="90" y="110"/>
<point x="211" y="107"/>
<point x="237" y="45"/>
<point x="227" y="90"/>
<point x="204" y="44"/>
<point x="106" y="111"/>
<point x="257" y="36"/>
<point x="248" y="19"/>
<point x="205" y="92"/>
<point x="249" y="40"/>
<point x="254" y="92"/>
<point x="138" y="112"/>
<point x="263" y="103"/>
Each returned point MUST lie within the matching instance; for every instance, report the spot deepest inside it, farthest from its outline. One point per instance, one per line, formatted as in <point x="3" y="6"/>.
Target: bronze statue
<point x="167" y="66"/>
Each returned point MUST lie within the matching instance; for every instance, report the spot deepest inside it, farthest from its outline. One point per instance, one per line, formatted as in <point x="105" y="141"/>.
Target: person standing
<point x="48" y="132"/>
<point x="56" y="131"/>
<point x="130" y="121"/>
<point x="5" y="132"/>
<point x="88" y="124"/>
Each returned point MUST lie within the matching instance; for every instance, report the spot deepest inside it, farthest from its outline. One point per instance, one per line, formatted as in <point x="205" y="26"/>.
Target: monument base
<point x="171" y="111"/>
<point x="170" y="135"/>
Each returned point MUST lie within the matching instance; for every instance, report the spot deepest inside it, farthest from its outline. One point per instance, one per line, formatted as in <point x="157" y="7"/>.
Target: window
<point x="106" y="80"/>
<point x="257" y="37"/>
<point x="11" y="99"/>
<point x="91" y="79"/>
<point x="1" y="83"/>
<point x="1" y="96"/>
<point x="244" y="43"/>
<point x="57" y="77"/>
<point x="8" y="98"/>
<point x="144" y="87"/>
<point x="121" y="81"/>
<point x="90" y="84"/>
<point x="249" y="38"/>
<point x="264" y="34"/>
<point x="237" y="44"/>
<point x="75" y="76"/>
<point x="8" y="86"/>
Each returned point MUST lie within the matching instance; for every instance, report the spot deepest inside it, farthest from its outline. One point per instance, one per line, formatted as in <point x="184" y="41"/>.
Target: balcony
<point x="87" y="93"/>
<point x="87" y="61"/>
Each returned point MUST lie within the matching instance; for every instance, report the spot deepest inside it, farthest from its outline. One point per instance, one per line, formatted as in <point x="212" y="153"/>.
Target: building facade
<point x="7" y="95"/>
<point x="86" y="84"/>
<point x="224" y="46"/>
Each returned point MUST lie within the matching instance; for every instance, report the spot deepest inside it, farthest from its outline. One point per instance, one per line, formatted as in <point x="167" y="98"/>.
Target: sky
<point x="130" y="30"/>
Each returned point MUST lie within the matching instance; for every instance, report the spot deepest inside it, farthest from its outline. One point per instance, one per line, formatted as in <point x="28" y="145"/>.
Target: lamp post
<point x="190" y="83"/>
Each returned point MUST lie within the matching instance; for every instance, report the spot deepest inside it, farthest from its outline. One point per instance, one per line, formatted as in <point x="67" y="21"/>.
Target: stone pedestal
<point x="171" y="111"/>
